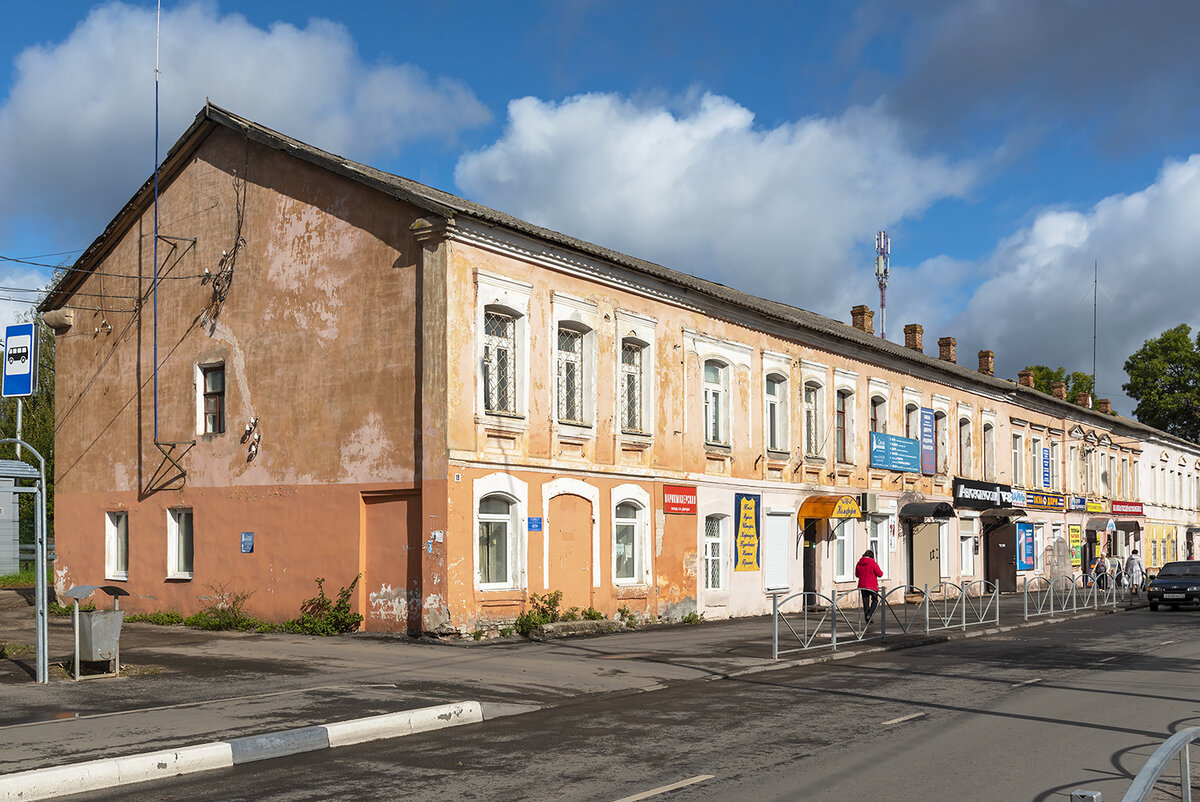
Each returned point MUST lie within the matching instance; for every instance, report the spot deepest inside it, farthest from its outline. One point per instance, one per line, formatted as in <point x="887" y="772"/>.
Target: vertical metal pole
<point x="926" y="606"/>
<point x="962" y="602"/>
<point x="1185" y="774"/>
<point x="117" y="645"/>
<point x="775" y="626"/>
<point x="883" y="613"/>
<point x="1051" y="598"/>
<point x="996" y="601"/>
<point x="19" y="407"/>
<point x="1025" y="594"/>
<point x="39" y="592"/>
<point x="833" y="614"/>
<point x="76" y="622"/>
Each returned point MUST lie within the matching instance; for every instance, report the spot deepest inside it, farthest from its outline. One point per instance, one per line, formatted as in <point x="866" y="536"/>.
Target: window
<point x="499" y="363"/>
<point x="944" y="548"/>
<point x="813" y="440"/>
<point x="1110" y="478"/>
<point x="877" y="541"/>
<point x="878" y="414"/>
<point x="116" y="545"/>
<point x="966" y="546"/>
<point x="716" y="403"/>
<point x="570" y="375"/>
<point x="179" y="544"/>
<point x="1039" y="542"/>
<point x="941" y="442"/>
<point x="1035" y="462"/>
<point x="714" y="552"/>
<point x="632" y="357"/>
<point x="1133" y="481"/>
<point x="496" y="536"/>
<point x="1055" y="466"/>
<point x="989" y="452"/>
<point x="844" y="426"/>
<point x="627" y="543"/>
<point x="1018" y="457"/>
<point x="964" y="447"/>
<point x="844" y="557"/>
<point x="912" y="422"/>
<point x="212" y="399"/>
<point x="775" y="420"/>
<point x="1125" y="478"/>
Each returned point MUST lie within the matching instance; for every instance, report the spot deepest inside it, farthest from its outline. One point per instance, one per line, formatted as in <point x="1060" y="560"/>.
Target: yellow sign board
<point x="1095" y="506"/>
<point x="746" y="542"/>
<point x="1075" y="533"/>
<point x="830" y="507"/>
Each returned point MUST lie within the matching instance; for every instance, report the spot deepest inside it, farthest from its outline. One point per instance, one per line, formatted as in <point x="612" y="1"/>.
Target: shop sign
<point x="1018" y="498"/>
<point x="1045" y="467"/>
<point x="1094" y="506"/>
<point x="1078" y="504"/>
<point x="746" y="513"/>
<point x="679" y="500"/>
<point x="1046" y="501"/>
<point x="972" y="495"/>
<point x="894" y="453"/>
<point x="1024" y="547"/>
<point x="1126" y="507"/>
<point x="1075" y="533"/>
<point x="247" y="542"/>
<point x="928" y="443"/>
<point x="846" y="507"/>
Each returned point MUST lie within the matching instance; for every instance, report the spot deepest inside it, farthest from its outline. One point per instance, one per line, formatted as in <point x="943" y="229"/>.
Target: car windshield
<point x="1180" y="569"/>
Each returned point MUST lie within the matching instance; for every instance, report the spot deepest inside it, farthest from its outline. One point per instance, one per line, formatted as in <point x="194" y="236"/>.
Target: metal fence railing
<point x="27" y="552"/>
<point x="816" y="620"/>
<point x="1070" y="593"/>
<point x="1151" y="774"/>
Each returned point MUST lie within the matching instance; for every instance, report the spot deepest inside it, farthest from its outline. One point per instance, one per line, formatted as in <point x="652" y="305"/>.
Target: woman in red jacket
<point x="868" y="573"/>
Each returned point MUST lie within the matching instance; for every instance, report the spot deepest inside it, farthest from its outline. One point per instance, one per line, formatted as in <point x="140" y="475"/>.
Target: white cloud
<point x="77" y="128"/>
<point x="783" y="212"/>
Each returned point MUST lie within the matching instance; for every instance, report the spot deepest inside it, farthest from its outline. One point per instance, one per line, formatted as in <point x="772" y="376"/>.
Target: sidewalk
<point x="181" y="687"/>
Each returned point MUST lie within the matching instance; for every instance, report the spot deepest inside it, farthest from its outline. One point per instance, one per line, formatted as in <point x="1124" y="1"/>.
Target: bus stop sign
<point x="20" y="360"/>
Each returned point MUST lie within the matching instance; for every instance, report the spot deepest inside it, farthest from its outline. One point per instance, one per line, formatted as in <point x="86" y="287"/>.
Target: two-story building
<point x="284" y="365"/>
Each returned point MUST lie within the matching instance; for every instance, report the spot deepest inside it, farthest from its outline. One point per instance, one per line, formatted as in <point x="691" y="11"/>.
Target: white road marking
<point x="699" y="778"/>
<point x="1166" y="642"/>
<point x="1106" y="659"/>
<point x="902" y="718"/>
<point x="1026" y="682"/>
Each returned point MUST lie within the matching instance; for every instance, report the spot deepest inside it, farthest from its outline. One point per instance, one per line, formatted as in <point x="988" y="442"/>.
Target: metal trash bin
<point x="100" y="634"/>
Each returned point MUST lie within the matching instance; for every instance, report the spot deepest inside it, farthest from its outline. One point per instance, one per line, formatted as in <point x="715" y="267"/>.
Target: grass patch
<point x="11" y="650"/>
<point x="163" y="618"/>
<point x="22" y="579"/>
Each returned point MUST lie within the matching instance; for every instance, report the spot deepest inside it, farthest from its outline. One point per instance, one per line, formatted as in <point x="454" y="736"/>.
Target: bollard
<point x="775" y="626"/>
<point x="1085" y="796"/>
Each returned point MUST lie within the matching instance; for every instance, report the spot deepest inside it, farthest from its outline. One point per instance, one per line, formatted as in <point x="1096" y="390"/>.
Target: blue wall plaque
<point x="895" y="453"/>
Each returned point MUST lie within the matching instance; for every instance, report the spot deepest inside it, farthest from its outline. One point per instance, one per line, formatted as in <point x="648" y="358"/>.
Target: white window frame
<point x="716" y="553"/>
<point x="201" y="417"/>
<point x="716" y="402"/>
<point x="944" y="549"/>
<point x="814" y="415"/>
<point x="116" y="530"/>
<point x="1035" y="453"/>
<point x="517" y="492"/>
<point x="989" y="451"/>
<point x="966" y="546"/>
<point x="1018" y="460"/>
<point x="175" y="542"/>
<point x="878" y="414"/>
<point x="845" y="556"/>
<point x="965" y="454"/>
<point x="632" y="494"/>
<point x="1055" y="466"/>
<point x="775" y="411"/>
<point x="506" y="296"/>
<point x="1039" y="545"/>
<point x="941" y="436"/>
<point x="581" y="317"/>
<point x="638" y="330"/>
<point x="912" y="420"/>
<point x="843" y="436"/>
<point x="878" y="540"/>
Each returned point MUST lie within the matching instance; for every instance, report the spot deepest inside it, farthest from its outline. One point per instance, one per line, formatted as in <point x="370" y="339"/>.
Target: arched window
<point x="878" y="414"/>
<point x="633" y="355"/>
<point x="964" y="446"/>
<point x="814" y="438"/>
<point x="570" y="394"/>
<point x="989" y="452"/>
<point x="628" y="557"/>
<point x="715" y="538"/>
<point x="716" y="402"/>
<point x="496" y="533"/>
<point x="775" y="428"/>
<point x="499" y="362"/>
<point x="844" y="425"/>
<point x="912" y="421"/>
<point x="941" y="443"/>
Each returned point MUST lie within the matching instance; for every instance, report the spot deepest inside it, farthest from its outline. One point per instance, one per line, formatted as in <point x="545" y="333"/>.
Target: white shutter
<point x="775" y="551"/>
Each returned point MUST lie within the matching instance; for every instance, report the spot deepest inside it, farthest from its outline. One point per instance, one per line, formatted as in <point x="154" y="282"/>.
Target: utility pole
<point x="883" y="250"/>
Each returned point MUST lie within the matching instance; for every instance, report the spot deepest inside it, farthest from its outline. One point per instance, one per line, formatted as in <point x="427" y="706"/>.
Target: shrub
<point x="692" y="618"/>
<point x="164" y="618"/>
<point x="592" y="614"/>
<point x="321" y="615"/>
<point x="628" y="616"/>
<point x="226" y="610"/>
<point x="570" y="615"/>
<point x="542" y="610"/>
<point x="69" y="608"/>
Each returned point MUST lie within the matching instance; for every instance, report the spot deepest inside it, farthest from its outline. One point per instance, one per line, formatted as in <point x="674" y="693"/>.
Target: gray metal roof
<point x="15" y="469"/>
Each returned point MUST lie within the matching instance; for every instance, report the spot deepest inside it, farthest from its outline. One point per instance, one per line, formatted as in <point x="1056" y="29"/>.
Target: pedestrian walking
<point x="868" y="573"/>
<point x="1100" y="572"/>
<point x="1135" y="570"/>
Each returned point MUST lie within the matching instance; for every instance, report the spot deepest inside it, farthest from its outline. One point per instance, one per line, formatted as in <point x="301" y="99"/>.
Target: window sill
<point x="124" y="578"/>
<point x="718" y="448"/>
<point x="503" y="420"/>
<point x="778" y="455"/>
<point x="814" y="459"/>
<point x="178" y="577"/>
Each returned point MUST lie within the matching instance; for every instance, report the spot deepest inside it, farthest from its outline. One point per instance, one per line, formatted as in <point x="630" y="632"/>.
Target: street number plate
<point x="1174" y="595"/>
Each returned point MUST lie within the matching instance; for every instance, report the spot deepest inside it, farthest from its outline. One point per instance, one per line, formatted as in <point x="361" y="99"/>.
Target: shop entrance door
<point x="925" y="555"/>
<point x="1001" y="557"/>
<point x="810" y="555"/>
<point x="569" y="530"/>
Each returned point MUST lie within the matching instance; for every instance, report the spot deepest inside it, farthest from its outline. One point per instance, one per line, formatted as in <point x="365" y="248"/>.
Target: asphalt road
<point x="1029" y="715"/>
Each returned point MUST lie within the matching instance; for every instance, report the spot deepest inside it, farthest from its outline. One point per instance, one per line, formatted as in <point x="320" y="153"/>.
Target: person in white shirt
<point x="1135" y="571"/>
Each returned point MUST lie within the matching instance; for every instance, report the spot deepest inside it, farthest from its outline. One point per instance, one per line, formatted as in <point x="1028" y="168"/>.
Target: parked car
<point x="1177" y="583"/>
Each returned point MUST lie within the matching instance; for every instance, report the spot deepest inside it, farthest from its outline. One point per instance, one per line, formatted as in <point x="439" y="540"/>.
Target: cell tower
<point x="883" y="250"/>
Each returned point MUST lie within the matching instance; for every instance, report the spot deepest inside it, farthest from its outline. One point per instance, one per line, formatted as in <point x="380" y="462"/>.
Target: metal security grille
<point x="499" y="350"/>
<point x="812" y="442"/>
<point x="712" y="553"/>
<point x="631" y="388"/>
<point x="570" y="371"/>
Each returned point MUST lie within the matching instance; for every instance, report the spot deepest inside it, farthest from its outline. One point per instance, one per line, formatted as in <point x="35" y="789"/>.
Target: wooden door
<point x="569" y="531"/>
<point x="390" y="587"/>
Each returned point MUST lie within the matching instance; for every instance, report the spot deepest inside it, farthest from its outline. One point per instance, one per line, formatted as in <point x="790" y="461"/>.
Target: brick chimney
<point x="1104" y="405"/>
<point x="948" y="349"/>
<point x="1083" y="399"/>
<point x="1025" y="378"/>
<point x="987" y="363"/>
<point x="1059" y="390"/>
<point x="914" y="334"/>
<point x="862" y="318"/>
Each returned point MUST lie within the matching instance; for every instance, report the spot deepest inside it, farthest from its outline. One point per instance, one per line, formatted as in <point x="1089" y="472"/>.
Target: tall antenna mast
<point x="1095" y="293"/>
<point x="157" y="33"/>
<point x="883" y="250"/>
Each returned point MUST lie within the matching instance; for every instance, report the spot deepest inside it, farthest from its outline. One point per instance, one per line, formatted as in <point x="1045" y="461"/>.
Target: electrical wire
<point x="94" y="272"/>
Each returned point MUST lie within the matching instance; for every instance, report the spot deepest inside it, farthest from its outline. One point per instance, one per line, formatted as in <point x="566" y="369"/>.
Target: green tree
<point x="37" y="428"/>
<point x="1164" y="378"/>
<point x="1044" y="378"/>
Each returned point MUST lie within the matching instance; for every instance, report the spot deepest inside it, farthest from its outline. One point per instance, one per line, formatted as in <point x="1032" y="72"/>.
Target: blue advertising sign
<point x="1016" y="497"/>
<point x="535" y="524"/>
<point x="247" y="542"/>
<point x="1045" y="467"/>
<point x="1024" y="547"/>
<point x="928" y="442"/>
<point x="1078" y="504"/>
<point x="20" y="360"/>
<point x="895" y="453"/>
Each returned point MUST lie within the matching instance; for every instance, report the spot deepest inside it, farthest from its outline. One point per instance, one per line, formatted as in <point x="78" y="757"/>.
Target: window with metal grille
<point x="631" y="388"/>
<point x="570" y="375"/>
<point x="714" y="550"/>
<point x="812" y="419"/>
<point x="214" y="398"/>
<point x="499" y="363"/>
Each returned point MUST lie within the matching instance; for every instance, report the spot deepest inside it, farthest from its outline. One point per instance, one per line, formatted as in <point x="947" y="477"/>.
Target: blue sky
<point x="1005" y="147"/>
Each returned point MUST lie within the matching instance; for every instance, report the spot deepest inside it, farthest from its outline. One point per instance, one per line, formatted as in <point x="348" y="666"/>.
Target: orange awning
<point x="830" y="507"/>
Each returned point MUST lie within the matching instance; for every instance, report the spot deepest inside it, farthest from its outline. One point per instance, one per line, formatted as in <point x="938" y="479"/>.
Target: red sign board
<point x="1127" y="508"/>
<point x="679" y="500"/>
